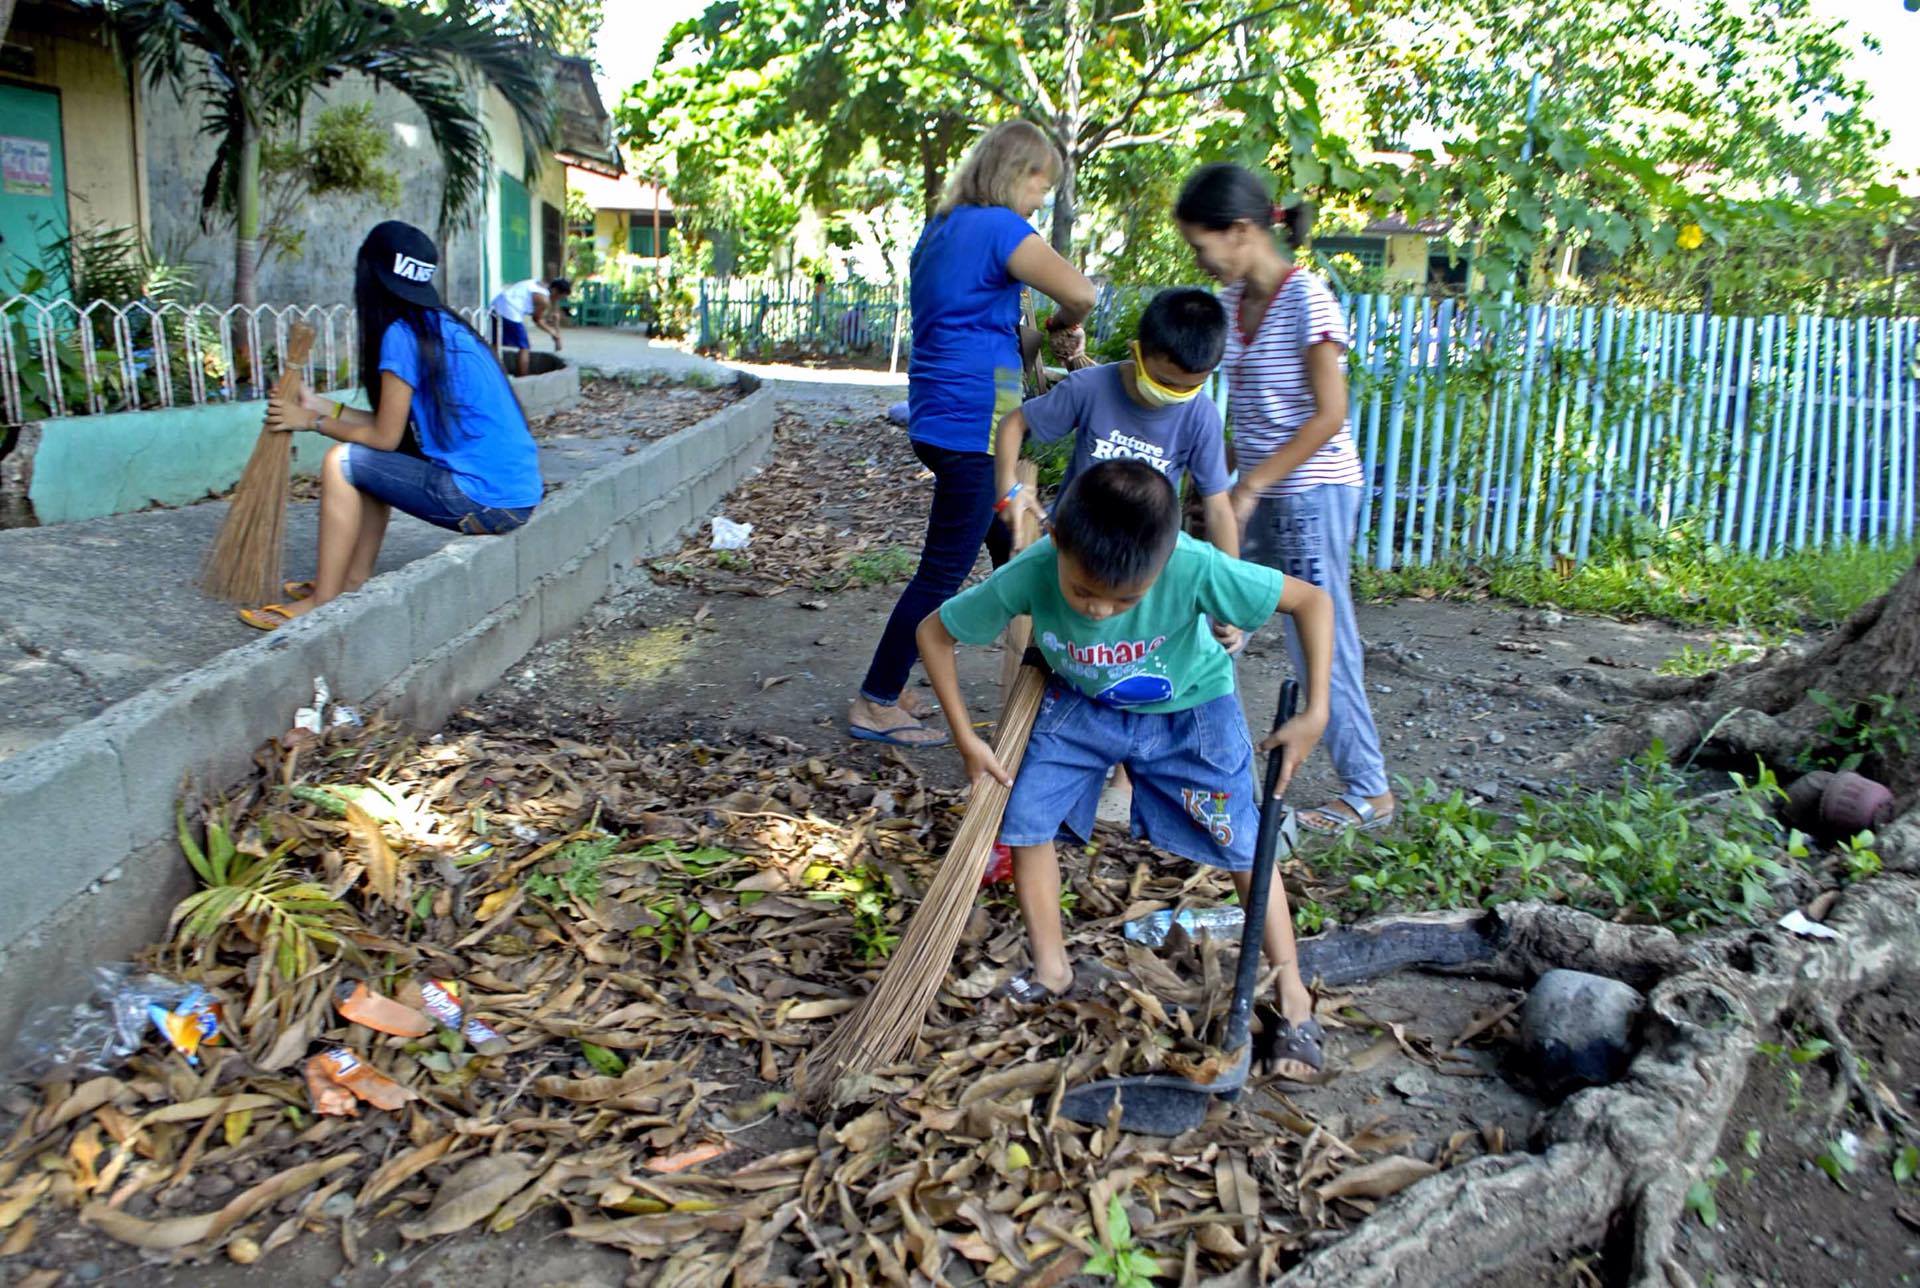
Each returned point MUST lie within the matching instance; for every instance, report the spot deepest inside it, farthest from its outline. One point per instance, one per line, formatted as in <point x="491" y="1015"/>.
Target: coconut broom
<point x="884" y="1026"/>
<point x="243" y="565"/>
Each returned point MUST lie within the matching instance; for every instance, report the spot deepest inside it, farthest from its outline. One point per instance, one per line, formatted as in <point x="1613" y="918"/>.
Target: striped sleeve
<point x="1322" y="320"/>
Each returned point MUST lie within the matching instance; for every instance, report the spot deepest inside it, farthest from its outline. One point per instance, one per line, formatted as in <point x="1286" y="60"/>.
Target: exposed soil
<point x="1782" y="1219"/>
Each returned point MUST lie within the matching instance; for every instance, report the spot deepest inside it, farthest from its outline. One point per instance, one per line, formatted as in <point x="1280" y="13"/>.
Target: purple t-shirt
<point x="1093" y="404"/>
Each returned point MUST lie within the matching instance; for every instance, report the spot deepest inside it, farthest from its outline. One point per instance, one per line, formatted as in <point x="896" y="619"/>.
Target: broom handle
<point x="299" y="345"/>
<point x="1272" y="814"/>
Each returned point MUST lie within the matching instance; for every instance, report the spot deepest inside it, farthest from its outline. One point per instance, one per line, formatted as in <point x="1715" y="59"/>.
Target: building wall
<point x="1407" y="257"/>
<point x="179" y="157"/>
<point x="100" y="125"/>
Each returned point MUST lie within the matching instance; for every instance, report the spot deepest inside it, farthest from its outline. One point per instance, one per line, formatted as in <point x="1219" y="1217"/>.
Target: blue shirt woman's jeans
<point x="961" y="518"/>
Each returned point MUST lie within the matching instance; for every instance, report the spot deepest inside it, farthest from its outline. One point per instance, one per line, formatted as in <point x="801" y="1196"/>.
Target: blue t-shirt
<point x="1108" y="424"/>
<point x="487" y="447"/>
<point x="965" y="371"/>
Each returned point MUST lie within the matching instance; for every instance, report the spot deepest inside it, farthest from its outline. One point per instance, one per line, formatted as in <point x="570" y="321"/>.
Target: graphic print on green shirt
<point x="1157" y="656"/>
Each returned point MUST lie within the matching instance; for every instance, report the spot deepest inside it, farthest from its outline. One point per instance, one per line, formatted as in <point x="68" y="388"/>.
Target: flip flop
<point x="1365" y="817"/>
<point x="893" y="739"/>
<point x="1281" y="1039"/>
<point x="258" y="619"/>
<point x="296" y="590"/>
<point x="1089" y="978"/>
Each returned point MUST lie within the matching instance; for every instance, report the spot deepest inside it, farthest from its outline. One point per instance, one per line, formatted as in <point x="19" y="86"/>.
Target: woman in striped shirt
<point x="1298" y="493"/>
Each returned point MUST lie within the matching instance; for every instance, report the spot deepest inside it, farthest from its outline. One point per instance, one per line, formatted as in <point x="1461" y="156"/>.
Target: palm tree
<point x="253" y="64"/>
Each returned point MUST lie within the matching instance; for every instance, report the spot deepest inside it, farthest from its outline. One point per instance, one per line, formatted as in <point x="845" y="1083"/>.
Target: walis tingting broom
<point x="883" y="1027"/>
<point x="243" y="564"/>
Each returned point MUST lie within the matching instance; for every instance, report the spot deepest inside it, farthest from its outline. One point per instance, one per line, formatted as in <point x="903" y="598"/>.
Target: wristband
<point x="1007" y="500"/>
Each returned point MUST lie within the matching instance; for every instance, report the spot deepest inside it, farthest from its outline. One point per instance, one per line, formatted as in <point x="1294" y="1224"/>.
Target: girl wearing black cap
<point x="476" y="470"/>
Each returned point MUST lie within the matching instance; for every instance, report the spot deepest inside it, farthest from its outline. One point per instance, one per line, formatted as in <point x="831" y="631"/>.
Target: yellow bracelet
<point x="339" y="410"/>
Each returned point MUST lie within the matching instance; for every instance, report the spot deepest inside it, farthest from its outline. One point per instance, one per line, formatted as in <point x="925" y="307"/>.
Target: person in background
<point x="974" y="258"/>
<point x="1298" y="495"/>
<point x="529" y="301"/>
<point x="475" y="469"/>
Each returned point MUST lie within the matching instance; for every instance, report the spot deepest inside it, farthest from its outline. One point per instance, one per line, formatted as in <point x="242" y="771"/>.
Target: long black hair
<point x="376" y="309"/>
<point x="1220" y="195"/>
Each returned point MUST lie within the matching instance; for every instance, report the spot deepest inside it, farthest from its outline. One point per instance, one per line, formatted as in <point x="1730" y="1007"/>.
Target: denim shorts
<point x="1192" y="772"/>
<point x="510" y="334"/>
<point x="426" y="491"/>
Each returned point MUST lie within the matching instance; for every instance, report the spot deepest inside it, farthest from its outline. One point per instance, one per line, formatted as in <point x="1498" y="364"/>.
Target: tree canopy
<point x="1537" y="135"/>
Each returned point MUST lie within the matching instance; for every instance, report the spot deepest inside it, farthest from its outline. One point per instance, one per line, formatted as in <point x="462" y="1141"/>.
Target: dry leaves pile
<point x="634" y="407"/>
<point x="658" y="934"/>
<point x="839" y="503"/>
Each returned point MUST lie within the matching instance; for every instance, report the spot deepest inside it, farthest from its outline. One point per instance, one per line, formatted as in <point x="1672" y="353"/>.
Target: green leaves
<point x="1119" y="1260"/>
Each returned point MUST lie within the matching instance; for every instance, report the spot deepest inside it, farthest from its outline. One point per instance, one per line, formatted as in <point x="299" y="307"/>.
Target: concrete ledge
<point x="88" y="817"/>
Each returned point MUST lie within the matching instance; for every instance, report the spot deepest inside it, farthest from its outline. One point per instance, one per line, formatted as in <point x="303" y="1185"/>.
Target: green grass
<point x="1700" y="586"/>
<point x="882" y="567"/>
<point x="1643" y="851"/>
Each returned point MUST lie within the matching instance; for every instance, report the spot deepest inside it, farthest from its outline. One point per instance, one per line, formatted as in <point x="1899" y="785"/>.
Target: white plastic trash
<point x="728" y="535"/>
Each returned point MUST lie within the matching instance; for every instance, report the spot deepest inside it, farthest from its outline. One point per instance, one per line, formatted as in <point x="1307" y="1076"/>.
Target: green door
<point x="33" y="188"/>
<point x="516" y="231"/>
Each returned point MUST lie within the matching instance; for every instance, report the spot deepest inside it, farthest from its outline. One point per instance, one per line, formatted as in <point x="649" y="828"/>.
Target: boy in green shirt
<point x="1120" y="600"/>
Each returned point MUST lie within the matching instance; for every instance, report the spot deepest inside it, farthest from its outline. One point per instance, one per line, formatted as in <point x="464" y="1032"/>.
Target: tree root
<point x="1618" y="1160"/>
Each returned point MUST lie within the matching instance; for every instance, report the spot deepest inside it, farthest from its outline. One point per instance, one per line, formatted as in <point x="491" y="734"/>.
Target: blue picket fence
<point x="1493" y="430"/>
<point x="1534" y="431"/>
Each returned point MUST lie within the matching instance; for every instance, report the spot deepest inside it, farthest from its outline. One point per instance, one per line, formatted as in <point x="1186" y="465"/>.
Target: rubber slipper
<point x="1089" y="978"/>
<point x="1365" y="817"/>
<point x="258" y="619"/>
<point x="893" y="739"/>
<point x="1280" y="1039"/>
<point x="296" y="591"/>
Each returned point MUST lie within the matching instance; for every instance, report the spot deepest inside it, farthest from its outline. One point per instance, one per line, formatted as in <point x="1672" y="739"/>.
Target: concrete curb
<point x="89" y="816"/>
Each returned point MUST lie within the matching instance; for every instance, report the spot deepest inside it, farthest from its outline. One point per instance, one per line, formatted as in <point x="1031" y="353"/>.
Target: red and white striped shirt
<point x="1267" y="389"/>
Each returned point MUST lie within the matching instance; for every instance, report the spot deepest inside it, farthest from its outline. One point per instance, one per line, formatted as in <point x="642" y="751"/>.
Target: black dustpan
<point x="1162" y="1104"/>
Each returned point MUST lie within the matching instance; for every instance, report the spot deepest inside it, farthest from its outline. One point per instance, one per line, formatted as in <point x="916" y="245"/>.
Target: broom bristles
<point x="243" y="564"/>
<point x="885" y="1024"/>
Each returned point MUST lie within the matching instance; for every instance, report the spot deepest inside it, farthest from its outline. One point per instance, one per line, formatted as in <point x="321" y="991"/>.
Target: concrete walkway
<point x="93" y="612"/>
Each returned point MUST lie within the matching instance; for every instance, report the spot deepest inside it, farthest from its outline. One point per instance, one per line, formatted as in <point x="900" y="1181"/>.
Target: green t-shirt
<point x="1159" y="655"/>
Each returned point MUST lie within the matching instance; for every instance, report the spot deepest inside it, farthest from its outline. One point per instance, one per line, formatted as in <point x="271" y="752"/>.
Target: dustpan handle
<point x="1272" y="815"/>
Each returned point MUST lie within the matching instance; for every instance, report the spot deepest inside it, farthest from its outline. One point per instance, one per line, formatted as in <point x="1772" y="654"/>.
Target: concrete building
<point x="86" y="145"/>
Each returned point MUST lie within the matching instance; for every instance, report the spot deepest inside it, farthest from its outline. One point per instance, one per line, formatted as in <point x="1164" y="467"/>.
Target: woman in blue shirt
<point x="973" y="260"/>
<point x="476" y="470"/>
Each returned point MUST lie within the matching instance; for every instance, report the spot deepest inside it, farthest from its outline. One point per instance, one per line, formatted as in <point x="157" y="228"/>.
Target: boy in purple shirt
<point x="1150" y="409"/>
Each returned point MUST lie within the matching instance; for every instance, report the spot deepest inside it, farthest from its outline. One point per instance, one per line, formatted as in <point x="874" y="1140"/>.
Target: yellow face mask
<point x="1152" y="392"/>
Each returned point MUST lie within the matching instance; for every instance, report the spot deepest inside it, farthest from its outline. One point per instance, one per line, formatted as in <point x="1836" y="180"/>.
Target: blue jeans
<point x="1192" y="773"/>
<point x="962" y="517"/>
<point x="1309" y="536"/>
<point x="426" y="491"/>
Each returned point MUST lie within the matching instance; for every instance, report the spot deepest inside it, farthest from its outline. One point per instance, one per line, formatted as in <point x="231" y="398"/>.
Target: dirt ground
<point x="765" y="648"/>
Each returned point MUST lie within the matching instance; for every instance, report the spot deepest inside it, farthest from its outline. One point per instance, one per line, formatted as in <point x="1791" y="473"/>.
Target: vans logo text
<point x="412" y="269"/>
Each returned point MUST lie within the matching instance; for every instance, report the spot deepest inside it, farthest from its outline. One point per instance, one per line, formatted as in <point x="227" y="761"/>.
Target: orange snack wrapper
<point x="360" y="1004"/>
<point x="348" y="1071"/>
<point x="328" y="1096"/>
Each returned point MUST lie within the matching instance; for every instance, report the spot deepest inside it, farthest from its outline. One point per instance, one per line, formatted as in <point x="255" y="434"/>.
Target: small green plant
<point x="733" y="560"/>
<point x="1309" y="918"/>
<point x="1691" y="661"/>
<point x="864" y="892"/>
<point x="578" y="882"/>
<point x="1906" y="1163"/>
<point x="1879" y="729"/>
<point x="1839" y="1160"/>
<point x="882" y="567"/>
<point x="255" y="894"/>
<point x="1753" y="1143"/>
<point x="1861" y="858"/>
<point x="1119" y="1260"/>
<point x="1700" y="1195"/>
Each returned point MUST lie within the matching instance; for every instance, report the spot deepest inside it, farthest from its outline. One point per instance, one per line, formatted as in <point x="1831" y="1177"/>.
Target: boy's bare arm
<point x="937" y="656"/>
<point x="1223" y="530"/>
<point x="1006" y="451"/>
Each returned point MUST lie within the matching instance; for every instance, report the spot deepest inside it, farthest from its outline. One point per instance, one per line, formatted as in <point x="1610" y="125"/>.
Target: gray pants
<point x="1309" y="536"/>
